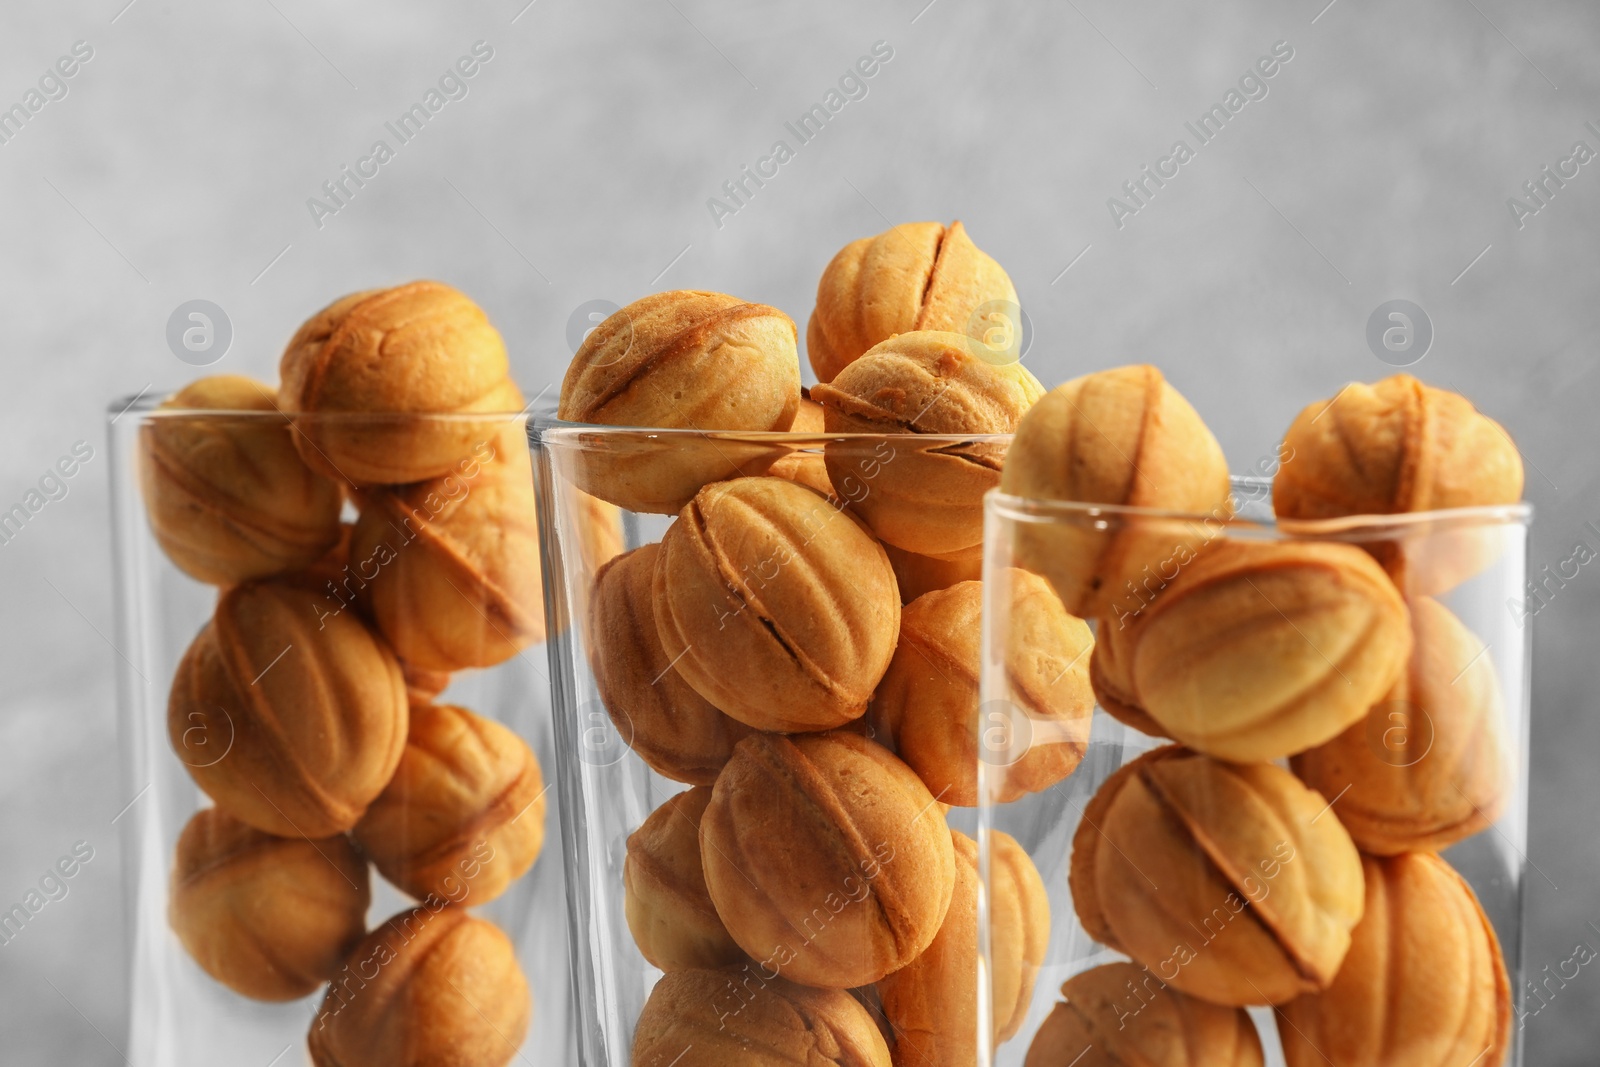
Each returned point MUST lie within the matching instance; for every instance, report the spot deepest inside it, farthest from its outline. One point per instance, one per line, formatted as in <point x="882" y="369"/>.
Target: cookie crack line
<point x="680" y="342"/>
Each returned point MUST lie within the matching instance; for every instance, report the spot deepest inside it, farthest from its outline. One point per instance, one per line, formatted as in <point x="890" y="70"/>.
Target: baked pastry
<point x="931" y="1003"/>
<point x="669" y="911"/>
<point x="917" y="575"/>
<point x="1394" y="446"/>
<point x="432" y="987"/>
<point x="681" y="360"/>
<point x="269" y="917"/>
<point x="914" y="276"/>
<point x="370" y="375"/>
<point x="422" y="686"/>
<point x="926" y="498"/>
<point x="228" y="496"/>
<point x="1426" y="766"/>
<point x="776" y="607"/>
<point x="825" y="857"/>
<point x="927" y="706"/>
<point x="290" y="715"/>
<point x="1424" y="983"/>
<point x="1401" y="446"/>
<point x="1120" y="1014"/>
<point x="1263" y="649"/>
<point x="734" y="1019"/>
<point x="1108" y="676"/>
<point x="463" y="817"/>
<point x="805" y="466"/>
<point x="1230" y="882"/>
<point x="1127" y="438"/>
<point x="1019" y="931"/>
<point x="449" y="568"/>
<point x="674" y="729"/>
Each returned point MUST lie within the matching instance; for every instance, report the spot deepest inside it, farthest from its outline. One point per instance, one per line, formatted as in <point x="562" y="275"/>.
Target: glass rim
<point x="1034" y="510"/>
<point x="546" y="426"/>
<point x="148" y="404"/>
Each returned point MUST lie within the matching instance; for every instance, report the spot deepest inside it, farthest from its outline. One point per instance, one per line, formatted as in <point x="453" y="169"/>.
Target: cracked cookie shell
<point x="775" y="606"/>
<point x="292" y="717"/>
<point x="228" y="495"/>
<point x="1426" y="766"/>
<point x="271" y="918"/>
<point x="927" y="704"/>
<point x="432" y="987"/>
<point x="1231" y="882"/>
<point x="826" y="857"/>
<point x="388" y="363"/>
<point x="914" y="276"/>
<point x="1120" y="1014"/>
<point x="1123" y="437"/>
<point x="738" y="1019"/>
<point x="681" y="360"/>
<point x="924" y="498"/>
<point x="465" y="808"/>
<point x="675" y="730"/>
<point x="1424" y="983"/>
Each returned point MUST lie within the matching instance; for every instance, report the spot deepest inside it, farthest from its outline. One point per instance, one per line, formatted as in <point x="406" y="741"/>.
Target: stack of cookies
<point x="305" y="708"/>
<point x="801" y="651"/>
<point x="1228" y="879"/>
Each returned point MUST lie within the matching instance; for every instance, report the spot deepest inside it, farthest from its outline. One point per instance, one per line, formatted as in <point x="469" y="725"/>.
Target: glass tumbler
<point x="721" y="889"/>
<point x="1297" y="830"/>
<point x="352" y="785"/>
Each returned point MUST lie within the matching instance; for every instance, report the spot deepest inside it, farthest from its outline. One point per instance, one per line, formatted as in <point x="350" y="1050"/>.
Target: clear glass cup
<point x="1160" y="877"/>
<point x="608" y="789"/>
<point x="183" y="1017"/>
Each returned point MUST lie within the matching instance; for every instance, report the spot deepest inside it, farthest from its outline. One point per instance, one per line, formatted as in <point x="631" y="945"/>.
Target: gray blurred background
<point x="578" y="167"/>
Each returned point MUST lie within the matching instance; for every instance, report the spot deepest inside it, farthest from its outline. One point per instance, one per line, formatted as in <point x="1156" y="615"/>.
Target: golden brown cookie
<point x="917" y="575"/>
<point x="370" y="375"/>
<point x="1230" y="882"/>
<point x="805" y="466"/>
<point x="931" y="1004"/>
<point x="674" y="729"/>
<point x="269" y="917"/>
<point x="449" y="568"/>
<point x="681" y="360"/>
<point x="1122" y="437"/>
<point x="228" y="495"/>
<point x="289" y="713"/>
<point x="1423" y="985"/>
<point x="463" y="817"/>
<point x="1019" y="931"/>
<point x="669" y="911"/>
<point x="432" y="987"/>
<point x="927" y="709"/>
<point x="924" y="498"/>
<point x="1263" y="649"/>
<point x="775" y="606"/>
<point x="1426" y="766"/>
<point x="914" y="276"/>
<point x="826" y="857"/>
<point x="745" y="1019"/>
<point x="1108" y="675"/>
<point x="1120" y="1014"/>
<point x="1401" y="446"/>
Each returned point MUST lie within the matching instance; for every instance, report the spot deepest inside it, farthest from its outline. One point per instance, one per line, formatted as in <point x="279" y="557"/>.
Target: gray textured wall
<point x="179" y="163"/>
